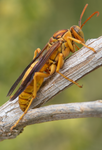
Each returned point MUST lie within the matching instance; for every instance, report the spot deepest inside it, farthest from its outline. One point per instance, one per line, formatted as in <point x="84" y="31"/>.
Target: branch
<point x="75" y="67"/>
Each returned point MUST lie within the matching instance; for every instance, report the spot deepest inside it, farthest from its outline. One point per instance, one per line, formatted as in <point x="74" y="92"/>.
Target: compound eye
<point x="77" y="33"/>
<point x="80" y="32"/>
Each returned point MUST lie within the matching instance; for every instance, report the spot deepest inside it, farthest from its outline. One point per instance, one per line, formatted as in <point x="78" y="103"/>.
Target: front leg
<point x="78" y="41"/>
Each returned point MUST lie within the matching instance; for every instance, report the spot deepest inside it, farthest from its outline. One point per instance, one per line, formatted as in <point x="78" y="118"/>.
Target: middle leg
<point x="60" y="62"/>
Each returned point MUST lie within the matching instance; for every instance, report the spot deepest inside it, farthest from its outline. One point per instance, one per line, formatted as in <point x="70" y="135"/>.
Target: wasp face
<point x="77" y="33"/>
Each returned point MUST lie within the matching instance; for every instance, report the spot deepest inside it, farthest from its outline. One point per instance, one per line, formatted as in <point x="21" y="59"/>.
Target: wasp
<point x="47" y="61"/>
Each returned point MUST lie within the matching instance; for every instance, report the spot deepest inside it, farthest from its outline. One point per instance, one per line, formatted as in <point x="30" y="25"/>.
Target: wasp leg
<point x="37" y="51"/>
<point x="72" y="48"/>
<point x="38" y="80"/>
<point x="52" y="69"/>
<point x="60" y="62"/>
<point x="78" y="41"/>
<point x="38" y="77"/>
<point x="76" y="46"/>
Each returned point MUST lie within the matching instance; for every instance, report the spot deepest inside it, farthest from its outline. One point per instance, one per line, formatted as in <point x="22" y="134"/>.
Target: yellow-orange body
<point x="67" y="45"/>
<point x="46" y="62"/>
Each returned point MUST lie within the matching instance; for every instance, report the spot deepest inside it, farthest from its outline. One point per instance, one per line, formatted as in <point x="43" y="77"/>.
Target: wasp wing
<point x="36" y="68"/>
<point x="22" y="74"/>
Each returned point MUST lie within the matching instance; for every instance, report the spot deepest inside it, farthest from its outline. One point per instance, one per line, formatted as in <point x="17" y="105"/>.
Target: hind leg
<point x="38" y="80"/>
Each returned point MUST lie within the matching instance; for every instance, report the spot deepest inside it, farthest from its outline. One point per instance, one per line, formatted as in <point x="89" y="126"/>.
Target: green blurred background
<point x="26" y="25"/>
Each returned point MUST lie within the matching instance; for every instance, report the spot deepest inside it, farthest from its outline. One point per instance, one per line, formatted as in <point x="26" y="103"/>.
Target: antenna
<point x="96" y="12"/>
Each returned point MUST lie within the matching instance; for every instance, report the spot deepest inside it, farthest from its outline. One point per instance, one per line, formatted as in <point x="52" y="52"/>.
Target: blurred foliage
<point x="26" y="25"/>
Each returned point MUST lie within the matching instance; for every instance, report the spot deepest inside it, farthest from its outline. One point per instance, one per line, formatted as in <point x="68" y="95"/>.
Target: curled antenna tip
<point x="97" y="13"/>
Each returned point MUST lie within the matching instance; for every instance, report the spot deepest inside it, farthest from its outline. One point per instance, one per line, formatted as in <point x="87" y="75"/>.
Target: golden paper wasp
<point x="46" y="62"/>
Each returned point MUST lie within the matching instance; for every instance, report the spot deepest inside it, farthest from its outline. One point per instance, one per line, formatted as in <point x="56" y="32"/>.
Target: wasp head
<point x="77" y="33"/>
<point x="77" y="30"/>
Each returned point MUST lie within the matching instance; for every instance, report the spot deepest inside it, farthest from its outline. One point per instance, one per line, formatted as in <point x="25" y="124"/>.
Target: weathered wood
<point x="75" y="67"/>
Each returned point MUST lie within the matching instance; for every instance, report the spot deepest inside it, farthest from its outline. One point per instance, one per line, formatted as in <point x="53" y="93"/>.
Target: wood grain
<point x="78" y="65"/>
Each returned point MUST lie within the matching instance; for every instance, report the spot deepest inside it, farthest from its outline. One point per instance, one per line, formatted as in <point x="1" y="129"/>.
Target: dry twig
<point x="79" y="64"/>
